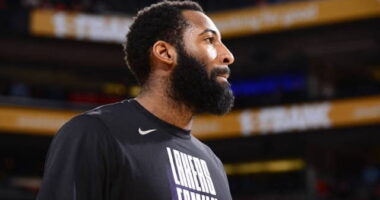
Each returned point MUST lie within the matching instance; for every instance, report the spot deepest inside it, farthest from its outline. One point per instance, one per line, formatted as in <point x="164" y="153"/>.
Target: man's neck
<point x="168" y="110"/>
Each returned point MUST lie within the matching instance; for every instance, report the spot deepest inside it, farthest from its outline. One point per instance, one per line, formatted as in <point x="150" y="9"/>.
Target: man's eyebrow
<point x="209" y="30"/>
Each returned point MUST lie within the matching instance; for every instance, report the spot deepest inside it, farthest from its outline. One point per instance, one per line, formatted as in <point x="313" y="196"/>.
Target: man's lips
<point x="224" y="75"/>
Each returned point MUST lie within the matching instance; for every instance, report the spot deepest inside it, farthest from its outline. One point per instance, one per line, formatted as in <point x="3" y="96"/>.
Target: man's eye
<point x="210" y="40"/>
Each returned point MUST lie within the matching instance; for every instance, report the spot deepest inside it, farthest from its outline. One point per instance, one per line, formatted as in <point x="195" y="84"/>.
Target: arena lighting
<point x="269" y="84"/>
<point x="273" y="166"/>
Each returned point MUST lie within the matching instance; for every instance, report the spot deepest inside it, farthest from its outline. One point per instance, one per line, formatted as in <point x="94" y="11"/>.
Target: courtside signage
<point x="32" y="120"/>
<point x="79" y="26"/>
<point x="298" y="117"/>
<point x="292" y="15"/>
<point x="233" y="23"/>
<point x="271" y="120"/>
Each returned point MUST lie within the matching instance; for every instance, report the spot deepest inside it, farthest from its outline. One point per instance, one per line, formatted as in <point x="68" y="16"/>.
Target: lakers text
<point x="191" y="176"/>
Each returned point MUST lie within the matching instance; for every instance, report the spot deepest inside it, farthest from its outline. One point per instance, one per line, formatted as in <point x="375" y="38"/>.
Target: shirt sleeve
<point x="80" y="163"/>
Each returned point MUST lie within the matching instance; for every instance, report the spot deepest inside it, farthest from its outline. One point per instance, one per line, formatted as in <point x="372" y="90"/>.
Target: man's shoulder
<point x="101" y="122"/>
<point x="103" y="116"/>
<point x="114" y="112"/>
<point x="108" y="110"/>
<point x="118" y="118"/>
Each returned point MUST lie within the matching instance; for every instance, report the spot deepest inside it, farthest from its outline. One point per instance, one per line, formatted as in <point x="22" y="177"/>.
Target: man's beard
<point x="190" y="84"/>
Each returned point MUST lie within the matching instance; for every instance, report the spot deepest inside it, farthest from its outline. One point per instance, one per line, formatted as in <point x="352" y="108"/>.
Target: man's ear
<point x="164" y="52"/>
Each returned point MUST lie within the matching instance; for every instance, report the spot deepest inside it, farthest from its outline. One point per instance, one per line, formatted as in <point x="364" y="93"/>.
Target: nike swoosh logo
<point x="146" y="131"/>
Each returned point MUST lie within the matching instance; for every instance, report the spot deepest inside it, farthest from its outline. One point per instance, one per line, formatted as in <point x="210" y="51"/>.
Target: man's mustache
<point x="220" y="71"/>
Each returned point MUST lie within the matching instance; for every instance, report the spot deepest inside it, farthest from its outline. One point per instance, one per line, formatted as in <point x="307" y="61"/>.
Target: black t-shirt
<point x="123" y="152"/>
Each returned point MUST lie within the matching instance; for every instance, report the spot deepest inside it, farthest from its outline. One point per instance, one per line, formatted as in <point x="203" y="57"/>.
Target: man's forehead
<point x="200" y="21"/>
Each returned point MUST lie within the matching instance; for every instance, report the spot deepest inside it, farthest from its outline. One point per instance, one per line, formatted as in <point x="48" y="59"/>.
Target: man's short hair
<point x="160" y="21"/>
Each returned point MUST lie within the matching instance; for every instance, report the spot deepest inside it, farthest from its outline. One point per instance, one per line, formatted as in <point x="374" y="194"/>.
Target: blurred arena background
<point x="306" y="124"/>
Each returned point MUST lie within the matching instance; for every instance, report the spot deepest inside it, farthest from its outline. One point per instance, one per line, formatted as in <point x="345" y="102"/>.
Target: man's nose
<point x="226" y="56"/>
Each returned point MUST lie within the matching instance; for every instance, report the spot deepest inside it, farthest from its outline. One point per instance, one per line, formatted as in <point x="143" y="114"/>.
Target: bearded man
<point x="142" y="148"/>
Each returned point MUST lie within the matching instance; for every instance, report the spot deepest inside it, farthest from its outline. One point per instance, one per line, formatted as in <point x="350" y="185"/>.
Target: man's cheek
<point x="211" y="53"/>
